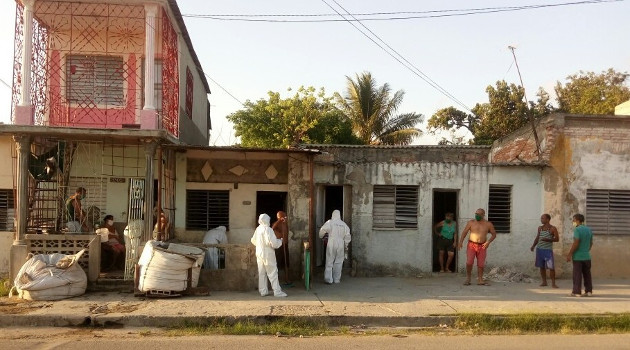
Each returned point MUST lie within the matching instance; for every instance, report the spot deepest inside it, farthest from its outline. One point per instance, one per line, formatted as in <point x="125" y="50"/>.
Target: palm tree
<point x="372" y="113"/>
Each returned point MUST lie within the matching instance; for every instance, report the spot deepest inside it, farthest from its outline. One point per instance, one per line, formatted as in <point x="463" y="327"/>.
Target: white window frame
<point x="500" y="207"/>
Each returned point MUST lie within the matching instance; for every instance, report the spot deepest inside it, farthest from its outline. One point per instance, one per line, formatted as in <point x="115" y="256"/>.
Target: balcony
<point x="89" y="67"/>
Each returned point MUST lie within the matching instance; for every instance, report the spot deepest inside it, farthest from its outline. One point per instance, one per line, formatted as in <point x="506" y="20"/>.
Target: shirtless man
<point x="477" y="244"/>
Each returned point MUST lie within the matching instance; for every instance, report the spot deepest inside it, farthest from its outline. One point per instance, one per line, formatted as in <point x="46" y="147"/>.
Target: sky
<point x="462" y="54"/>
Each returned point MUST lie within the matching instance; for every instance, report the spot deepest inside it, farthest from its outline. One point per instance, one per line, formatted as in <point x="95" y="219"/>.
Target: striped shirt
<point x="544" y="244"/>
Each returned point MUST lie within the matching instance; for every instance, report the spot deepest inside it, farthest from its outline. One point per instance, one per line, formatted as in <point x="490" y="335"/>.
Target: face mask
<point x="575" y="224"/>
<point x="478" y="217"/>
<point x="448" y="221"/>
<point x="110" y="222"/>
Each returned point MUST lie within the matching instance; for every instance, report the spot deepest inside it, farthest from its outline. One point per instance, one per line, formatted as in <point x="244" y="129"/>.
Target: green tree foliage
<point x="306" y="117"/>
<point x="590" y="93"/>
<point x="372" y="112"/>
<point x="504" y="112"/>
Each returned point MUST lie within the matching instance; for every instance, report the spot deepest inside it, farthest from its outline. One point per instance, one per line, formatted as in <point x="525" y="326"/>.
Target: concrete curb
<point x="117" y="321"/>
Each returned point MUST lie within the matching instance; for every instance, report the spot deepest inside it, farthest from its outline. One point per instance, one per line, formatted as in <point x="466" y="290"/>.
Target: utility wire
<point x="423" y="14"/>
<point x="398" y="57"/>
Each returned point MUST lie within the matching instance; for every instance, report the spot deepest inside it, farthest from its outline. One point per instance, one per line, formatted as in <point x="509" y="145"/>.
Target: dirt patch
<point x="114" y="308"/>
<point x="20" y="306"/>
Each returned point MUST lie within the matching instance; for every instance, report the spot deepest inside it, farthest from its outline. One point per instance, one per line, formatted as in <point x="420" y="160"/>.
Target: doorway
<point x="270" y="202"/>
<point x="330" y="198"/>
<point x="444" y="201"/>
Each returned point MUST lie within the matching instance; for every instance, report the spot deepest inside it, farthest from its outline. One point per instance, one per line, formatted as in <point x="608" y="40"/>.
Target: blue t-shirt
<point x="585" y="235"/>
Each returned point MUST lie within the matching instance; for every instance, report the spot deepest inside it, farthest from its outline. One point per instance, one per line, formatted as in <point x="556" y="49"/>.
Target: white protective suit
<point x="214" y="236"/>
<point x="338" y="240"/>
<point x="266" y="242"/>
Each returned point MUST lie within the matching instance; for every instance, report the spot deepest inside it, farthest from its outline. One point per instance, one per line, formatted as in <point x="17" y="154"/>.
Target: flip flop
<point x="483" y="284"/>
<point x="467" y="283"/>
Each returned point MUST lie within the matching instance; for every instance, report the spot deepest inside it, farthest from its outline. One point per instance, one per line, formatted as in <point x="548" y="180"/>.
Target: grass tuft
<point x="5" y="287"/>
<point x="544" y="323"/>
<point x="282" y="326"/>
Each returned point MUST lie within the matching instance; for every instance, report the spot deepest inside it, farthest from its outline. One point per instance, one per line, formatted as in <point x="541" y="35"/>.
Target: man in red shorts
<point x="478" y="243"/>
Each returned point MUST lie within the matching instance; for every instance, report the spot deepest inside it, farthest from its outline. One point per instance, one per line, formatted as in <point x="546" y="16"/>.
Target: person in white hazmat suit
<point x="215" y="236"/>
<point x="337" y="248"/>
<point x="266" y="242"/>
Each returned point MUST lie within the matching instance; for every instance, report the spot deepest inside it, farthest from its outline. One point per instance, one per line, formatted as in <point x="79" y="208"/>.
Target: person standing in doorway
<point x="478" y="244"/>
<point x="281" y="230"/>
<point x="75" y="216"/>
<point x="547" y="234"/>
<point x="580" y="252"/>
<point x="266" y="242"/>
<point x="337" y="247"/>
<point x="446" y="230"/>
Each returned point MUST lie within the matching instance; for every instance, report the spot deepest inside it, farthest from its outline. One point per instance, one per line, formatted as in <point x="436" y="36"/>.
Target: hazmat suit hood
<point x="336" y="215"/>
<point x="264" y="220"/>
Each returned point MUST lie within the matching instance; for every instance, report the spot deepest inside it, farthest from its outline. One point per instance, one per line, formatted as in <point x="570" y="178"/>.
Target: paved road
<point x="140" y="339"/>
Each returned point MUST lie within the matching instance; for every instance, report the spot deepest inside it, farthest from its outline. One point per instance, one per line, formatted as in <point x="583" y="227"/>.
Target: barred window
<point x="395" y="207"/>
<point x="608" y="211"/>
<point x="95" y="80"/>
<point x="500" y="207"/>
<point x="7" y="210"/>
<point x="206" y="209"/>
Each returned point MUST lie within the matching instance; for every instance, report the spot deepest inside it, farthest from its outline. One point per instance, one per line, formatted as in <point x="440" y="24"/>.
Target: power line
<point x="421" y="14"/>
<point x="402" y="60"/>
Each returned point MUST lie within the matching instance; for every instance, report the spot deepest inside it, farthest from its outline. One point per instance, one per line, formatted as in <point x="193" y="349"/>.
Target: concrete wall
<point x="593" y="152"/>
<point x="193" y="130"/>
<point x="380" y="251"/>
<point x="6" y="240"/>
<point x="6" y="172"/>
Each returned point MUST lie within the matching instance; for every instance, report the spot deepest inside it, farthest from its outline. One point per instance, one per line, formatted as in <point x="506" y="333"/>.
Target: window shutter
<point x="395" y="207"/>
<point x="406" y="206"/>
<point x="95" y="80"/>
<point x="7" y="210"/>
<point x="608" y="211"/>
<point x="384" y="210"/>
<point x="500" y="207"/>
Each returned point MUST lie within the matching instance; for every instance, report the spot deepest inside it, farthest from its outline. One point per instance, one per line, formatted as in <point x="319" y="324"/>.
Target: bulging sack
<point x="51" y="277"/>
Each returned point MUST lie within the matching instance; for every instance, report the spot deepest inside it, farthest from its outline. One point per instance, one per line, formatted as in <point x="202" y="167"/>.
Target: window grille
<point x="206" y="209"/>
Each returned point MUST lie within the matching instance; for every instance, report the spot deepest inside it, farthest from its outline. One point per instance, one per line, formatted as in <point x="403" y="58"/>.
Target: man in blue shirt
<point x="580" y="252"/>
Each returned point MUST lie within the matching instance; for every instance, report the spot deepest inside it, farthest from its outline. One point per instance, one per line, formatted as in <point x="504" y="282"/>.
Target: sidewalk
<point x="384" y="301"/>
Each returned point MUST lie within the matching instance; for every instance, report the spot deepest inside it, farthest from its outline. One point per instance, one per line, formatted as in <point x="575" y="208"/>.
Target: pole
<point x="529" y="115"/>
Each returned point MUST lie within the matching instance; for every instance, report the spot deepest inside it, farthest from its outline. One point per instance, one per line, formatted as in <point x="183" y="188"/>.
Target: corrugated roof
<point x="243" y="149"/>
<point x="400" y="146"/>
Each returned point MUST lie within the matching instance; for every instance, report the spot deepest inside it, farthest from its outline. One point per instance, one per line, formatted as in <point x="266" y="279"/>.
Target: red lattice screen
<point x="170" y="77"/>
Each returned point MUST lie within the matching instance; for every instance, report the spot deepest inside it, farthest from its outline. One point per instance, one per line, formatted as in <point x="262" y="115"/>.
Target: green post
<point x="307" y="269"/>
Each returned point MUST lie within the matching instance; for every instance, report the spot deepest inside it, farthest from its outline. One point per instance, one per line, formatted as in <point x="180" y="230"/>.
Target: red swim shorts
<point x="476" y="250"/>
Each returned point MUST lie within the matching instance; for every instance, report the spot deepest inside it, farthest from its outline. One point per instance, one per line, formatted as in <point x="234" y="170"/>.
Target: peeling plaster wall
<point x="243" y="216"/>
<point x="298" y="209"/>
<point x="597" y="156"/>
<point x="407" y="252"/>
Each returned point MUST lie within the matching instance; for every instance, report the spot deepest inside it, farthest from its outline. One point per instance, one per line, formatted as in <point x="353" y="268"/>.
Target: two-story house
<point x="99" y="87"/>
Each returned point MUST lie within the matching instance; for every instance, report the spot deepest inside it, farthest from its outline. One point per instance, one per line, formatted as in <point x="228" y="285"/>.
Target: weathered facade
<point x="392" y="197"/>
<point x="586" y="159"/>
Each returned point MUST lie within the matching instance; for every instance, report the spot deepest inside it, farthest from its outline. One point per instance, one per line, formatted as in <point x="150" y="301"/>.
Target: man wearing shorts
<point x="477" y="244"/>
<point x="547" y="234"/>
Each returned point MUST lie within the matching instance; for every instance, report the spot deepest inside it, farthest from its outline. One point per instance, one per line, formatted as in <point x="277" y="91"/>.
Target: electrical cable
<point x="425" y="14"/>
